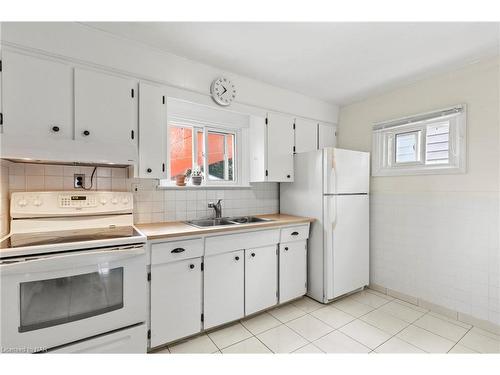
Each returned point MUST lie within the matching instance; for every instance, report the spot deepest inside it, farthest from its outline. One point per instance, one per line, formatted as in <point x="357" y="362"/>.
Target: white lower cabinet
<point x="261" y="278"/>
<point x="292" y="270"/>
<point x="176" y="298"/>
<point x="223" y="288"/>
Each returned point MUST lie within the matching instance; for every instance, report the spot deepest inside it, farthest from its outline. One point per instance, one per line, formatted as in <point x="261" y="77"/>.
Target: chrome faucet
<point x="217" y="207"/>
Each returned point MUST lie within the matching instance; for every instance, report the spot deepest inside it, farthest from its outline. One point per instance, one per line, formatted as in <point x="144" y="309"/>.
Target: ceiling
<point x="336" y="62"/>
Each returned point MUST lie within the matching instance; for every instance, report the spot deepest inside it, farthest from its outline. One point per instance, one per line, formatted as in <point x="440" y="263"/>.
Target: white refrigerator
<point x="331" y="185"/>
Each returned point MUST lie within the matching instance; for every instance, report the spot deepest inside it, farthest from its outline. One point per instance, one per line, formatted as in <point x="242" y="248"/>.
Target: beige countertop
<point x="170" y="229"/>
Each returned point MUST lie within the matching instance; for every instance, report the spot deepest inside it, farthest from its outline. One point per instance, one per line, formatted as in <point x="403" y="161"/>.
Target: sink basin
<point x="247" y="219"/>
<point x="203" y="223"/>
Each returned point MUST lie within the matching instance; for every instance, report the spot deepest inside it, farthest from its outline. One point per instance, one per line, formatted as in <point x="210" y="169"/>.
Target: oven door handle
<point x="69" y="260"/>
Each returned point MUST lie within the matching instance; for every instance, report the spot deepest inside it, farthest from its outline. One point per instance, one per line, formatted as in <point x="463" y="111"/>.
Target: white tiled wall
<point x="151" y="204"/>
<point x="440" y="247"/>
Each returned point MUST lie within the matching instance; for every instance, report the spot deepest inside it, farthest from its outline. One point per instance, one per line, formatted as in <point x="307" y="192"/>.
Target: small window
<point x="187" y="146"/>
<point x="428" y="143"/>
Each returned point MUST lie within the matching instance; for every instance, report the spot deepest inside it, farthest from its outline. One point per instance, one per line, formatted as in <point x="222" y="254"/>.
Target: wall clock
<point x="223" y="91"/>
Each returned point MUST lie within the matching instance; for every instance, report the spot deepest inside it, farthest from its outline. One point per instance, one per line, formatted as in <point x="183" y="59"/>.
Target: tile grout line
<point x="461" y="339"/>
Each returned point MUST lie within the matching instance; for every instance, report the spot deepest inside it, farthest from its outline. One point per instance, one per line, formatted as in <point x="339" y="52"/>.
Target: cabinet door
<point x="261" y="278"/>
<point x="280" y="141"/>
<point x="105" y="108"/>
<point x="152" y="132"/>
<point x="306" y="135"/>
<point x="292" y="270"/>
<point x="257" y="149"/>
<point x="327" y="135"/>
<point x="175" y="300"/>
<point x="37" y="97"/>
<point x="223" y="288"/>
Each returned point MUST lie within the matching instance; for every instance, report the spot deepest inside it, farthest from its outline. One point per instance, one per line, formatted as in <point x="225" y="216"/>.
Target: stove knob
<point x="103" y="201"/>
<point x="37" y="202"/>
<point x="114" y="201"/>
<point x="125" y="200"/>
<point x="22" y="202"/>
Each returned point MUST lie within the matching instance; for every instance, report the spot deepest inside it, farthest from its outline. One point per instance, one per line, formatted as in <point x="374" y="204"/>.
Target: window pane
<point x="199" y="149"/>
<point x="406" y="147"/>
<point x="437" y="143"/>
<point x="230" y="153"/>
<point x="220" y="155"/>
<point x="181" y="150"/>
<point x="216" y="160"/>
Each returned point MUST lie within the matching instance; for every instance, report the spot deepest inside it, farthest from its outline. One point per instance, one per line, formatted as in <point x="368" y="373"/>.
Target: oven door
<point x="51" y="300"/>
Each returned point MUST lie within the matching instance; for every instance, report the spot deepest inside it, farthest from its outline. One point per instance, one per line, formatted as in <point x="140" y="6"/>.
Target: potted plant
<point x="196" y="176"/>
<point x="180" y="179"/>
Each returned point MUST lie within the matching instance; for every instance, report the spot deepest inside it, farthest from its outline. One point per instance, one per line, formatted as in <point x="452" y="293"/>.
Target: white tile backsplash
<point x="151" y="203"/>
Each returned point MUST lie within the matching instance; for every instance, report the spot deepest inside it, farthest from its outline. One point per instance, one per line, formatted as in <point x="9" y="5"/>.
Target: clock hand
<point x="224" y="90"/>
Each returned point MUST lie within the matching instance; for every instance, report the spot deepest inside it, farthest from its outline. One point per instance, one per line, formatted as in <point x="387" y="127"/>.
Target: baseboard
<point x="457" y="315"/>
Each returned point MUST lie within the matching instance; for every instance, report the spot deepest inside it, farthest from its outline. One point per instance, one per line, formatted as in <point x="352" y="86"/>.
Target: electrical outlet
<point x="79" y="181"/>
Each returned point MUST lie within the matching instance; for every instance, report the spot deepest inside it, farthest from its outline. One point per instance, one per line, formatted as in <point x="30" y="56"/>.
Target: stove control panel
<point x="69" y="203"/>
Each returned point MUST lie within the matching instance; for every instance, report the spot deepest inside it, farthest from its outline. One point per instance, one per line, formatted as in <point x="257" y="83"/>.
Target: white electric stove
<point x="73" y="275"/>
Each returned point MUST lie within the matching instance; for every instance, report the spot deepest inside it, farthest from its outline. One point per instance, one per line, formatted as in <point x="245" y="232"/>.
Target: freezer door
<point x="346" y="171"/>
<point x="346" y="243"/>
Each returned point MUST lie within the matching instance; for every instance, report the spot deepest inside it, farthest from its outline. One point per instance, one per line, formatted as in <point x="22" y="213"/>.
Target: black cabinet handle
<point x="236" y="258"/>
<point x="295" y="233"/>
<point x="253" y="254"/>
<point x="86" y="133"/>
<point x="178" y="250"/>
<point x="55" y="129"/>
<point x="286" y="248"/>
<point x="149" y="170"/>
<point x="288" y="176"/>
<point x="191" y="266"/>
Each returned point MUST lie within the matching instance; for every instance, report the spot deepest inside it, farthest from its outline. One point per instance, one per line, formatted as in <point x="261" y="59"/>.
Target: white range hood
<point x="67" y="151"/>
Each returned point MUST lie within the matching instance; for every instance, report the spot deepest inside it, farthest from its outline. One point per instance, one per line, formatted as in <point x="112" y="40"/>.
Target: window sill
<point x="203" y="187"/>
<point x="388" y="172"/>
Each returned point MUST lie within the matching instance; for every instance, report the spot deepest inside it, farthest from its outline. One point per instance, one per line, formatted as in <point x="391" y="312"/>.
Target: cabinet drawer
<point x="296" y="233"/>
<point x="230" y="242"/>
<point x="172" y="251"/>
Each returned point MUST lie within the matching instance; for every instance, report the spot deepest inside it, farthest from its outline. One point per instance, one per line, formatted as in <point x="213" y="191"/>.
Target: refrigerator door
<point x="345" y="171"/>
<point x="346" y="219"/>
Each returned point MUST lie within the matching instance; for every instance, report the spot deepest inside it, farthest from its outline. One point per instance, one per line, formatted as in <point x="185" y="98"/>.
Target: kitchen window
<point x="195" y="147"/>
<point x="428" y="143"/>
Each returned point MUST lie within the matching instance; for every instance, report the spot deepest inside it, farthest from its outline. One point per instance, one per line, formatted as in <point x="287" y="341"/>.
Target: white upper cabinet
<point x="37" y="97"/>
<point x="306" y="135"/>
<point x="271" y="148"/>
<point x="327" y="135"/>
<point x="105" y="108"/>
<point x="152" y="132"/>
<point x="280" y="140"/>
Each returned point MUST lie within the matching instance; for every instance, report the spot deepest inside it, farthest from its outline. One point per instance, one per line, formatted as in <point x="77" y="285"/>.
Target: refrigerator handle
<point x="333" y="211"/>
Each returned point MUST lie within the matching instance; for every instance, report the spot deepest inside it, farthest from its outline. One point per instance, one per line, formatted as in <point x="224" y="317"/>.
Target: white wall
<point x="87" y="45"/>
<point x="436" y="237"/>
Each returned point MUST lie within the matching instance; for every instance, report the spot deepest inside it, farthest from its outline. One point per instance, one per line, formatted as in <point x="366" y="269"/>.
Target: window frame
<point x="384" y="144"/>
<point x="207" y="128"/>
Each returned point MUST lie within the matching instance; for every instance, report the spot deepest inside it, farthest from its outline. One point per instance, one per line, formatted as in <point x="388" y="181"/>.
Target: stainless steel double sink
<point x="237" y="220"/>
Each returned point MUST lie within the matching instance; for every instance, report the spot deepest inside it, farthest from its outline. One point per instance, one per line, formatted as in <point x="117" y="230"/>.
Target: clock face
<point x="223" y="91"/>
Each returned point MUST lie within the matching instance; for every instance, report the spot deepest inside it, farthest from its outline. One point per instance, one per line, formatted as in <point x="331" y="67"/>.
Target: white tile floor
<point x="365" y="322"/>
